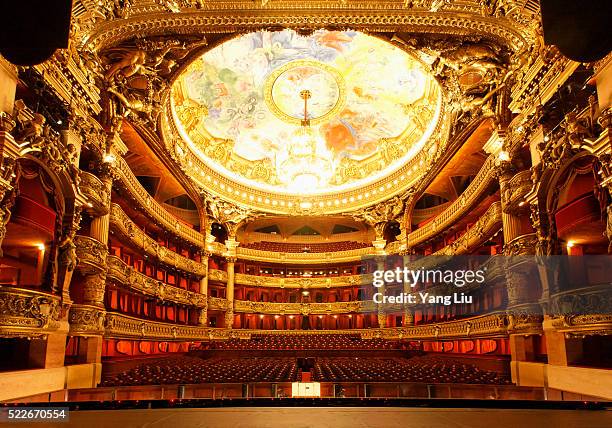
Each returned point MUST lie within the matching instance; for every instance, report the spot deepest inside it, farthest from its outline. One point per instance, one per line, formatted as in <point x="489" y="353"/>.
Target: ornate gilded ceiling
<point x="226" y="83"/>
<point x="307" y="115"/>
<point x="314" y="123"/>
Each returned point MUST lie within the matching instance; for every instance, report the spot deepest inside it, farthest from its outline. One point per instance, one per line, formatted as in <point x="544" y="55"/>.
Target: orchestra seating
<point x="191" y="370"/>
<point x="291" y="247"/>
<point x="306" y="342"/>
<point x="426" y="370"/>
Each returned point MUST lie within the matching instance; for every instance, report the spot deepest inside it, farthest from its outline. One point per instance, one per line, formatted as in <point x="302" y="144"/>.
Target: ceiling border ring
<point x="116" y="32"/>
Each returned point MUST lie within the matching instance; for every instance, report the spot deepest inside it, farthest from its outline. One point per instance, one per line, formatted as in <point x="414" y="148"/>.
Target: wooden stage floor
<point x="336" y="417"/>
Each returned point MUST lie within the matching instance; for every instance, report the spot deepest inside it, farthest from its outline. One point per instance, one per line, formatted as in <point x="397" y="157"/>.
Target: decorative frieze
<point x="458" y="208"/>
<point x="488" y="224"/>
<point x="136" y="281"/>
<point x="91" y="254"/>
<point x="123" y="326"/>
<point x="95" y="192"/>
<point x="300" y="282"/>
<point x="130" y="231"/>
<point x="86" y="320"/>
<point x="153" y="209"/>
<point x="28" y="313"/>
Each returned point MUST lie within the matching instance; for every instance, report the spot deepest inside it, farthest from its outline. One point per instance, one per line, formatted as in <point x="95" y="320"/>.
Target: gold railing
<point x="86" y="320"/>
<point x="123" y="326"/>
<point x="95" y="191"/>
<point x="304" y="308"/>
<point x="514" y="191"/>
<point x="583" y="311"/>
<point x="300" y="282"/>
<point x="489" y="223"/>
<point x="154" y="209"/>
<point x="126" y="228"/>
<point x="28" y="313"/>
<point x="304" y="258"/>
<point x="217" y="275"/>
<point x="218" y="304"/>
<point x="91" y="253"/>
<point x="458" y="208"/>
<point x="130" y="277"/>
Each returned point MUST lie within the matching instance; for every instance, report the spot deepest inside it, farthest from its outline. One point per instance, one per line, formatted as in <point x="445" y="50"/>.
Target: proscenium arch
<point x="365" y="20"/>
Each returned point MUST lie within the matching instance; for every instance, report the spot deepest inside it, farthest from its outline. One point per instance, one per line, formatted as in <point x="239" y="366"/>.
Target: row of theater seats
<point x="291" y="247"/>
<point x="190" y="370"/>
<point x="306" y="342"/>
<point x="427" y="370"/>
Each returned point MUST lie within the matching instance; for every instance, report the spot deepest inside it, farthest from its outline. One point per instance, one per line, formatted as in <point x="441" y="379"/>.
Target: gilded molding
<point x="304" y="258"/>
<point x="136" y="281"/>
<point x="584" y="311"/>
<point x="153" y="209"/>
<point x="28" y="313"/>
<point x="95" y="192"/>
<point x="91" y="254"/>
<point x="458" y="208"/>
<point x="489" y="223"/>
<point x="123" y="326"/>
<point x="370" y="17"/>
<point x="127" y="229"/>
<point x="303" y="308"/>
<point x="302" y="282"/>
<point x="514" y="190"/>
<point x="86" y="320"/>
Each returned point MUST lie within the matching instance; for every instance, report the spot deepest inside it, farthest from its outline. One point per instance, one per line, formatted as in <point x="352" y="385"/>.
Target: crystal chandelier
<point x="305" y="167"/>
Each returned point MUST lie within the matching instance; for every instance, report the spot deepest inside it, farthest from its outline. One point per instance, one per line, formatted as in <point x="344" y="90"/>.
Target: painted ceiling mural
<point x="313" y="114"/>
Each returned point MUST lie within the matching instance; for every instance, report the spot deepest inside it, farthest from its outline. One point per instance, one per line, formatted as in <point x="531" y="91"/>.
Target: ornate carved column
<point x="380" y="309"/>
<point x="203" y="319"/>
<point x="87" y="315"/>
<point x="9" y="150"/>
<point x="408" y="315"/>
<point x="511" y="224"/>
<point x="229" y="292"/>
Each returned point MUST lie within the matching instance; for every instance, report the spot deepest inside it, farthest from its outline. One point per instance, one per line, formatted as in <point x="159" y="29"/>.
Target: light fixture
<point x="40" y="246"/>
<point x="306" y="165"/>
<point x="570" y="244"/>
<point x="109" y="158"/>
<point x="261" y="317"/>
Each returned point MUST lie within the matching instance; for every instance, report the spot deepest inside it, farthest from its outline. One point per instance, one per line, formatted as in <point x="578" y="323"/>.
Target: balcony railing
<point x="91" y="253"/>
<point x="28" y="313"/>
<point x="124" y="326"/>
<point x="139" y="282"/>
<point x="154" y="209"/>
<point x="458" y="208"/>
<point x="131" y="232"/>
<point x="95" y="191"/>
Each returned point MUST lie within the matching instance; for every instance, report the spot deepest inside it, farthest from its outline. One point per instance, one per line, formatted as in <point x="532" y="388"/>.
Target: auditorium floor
<point x="337" y="417"/>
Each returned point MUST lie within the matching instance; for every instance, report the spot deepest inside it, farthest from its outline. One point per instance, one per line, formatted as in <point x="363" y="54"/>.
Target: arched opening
<point x="28" y="247"/>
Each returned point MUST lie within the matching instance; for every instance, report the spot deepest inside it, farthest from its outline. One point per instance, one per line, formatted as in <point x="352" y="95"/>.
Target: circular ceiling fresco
<point x="310" y="115"/>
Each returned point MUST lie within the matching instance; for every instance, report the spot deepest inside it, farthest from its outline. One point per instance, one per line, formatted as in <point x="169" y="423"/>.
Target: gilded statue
<point x="33" y="130"/>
